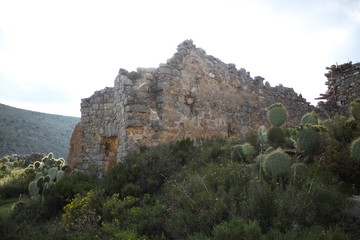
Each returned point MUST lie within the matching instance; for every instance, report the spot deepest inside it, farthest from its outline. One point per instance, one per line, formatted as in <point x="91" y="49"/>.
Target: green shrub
<point x="258" y="204"/>
<point x="15" y="184"/>
<point x="112" y="231"/>
<point x="131" y="190"/>
<point x="277" y="114"/>
<point x="67" y="187"/>
<point x="299" y="171"/>
<point x="343" y="130"/>
<point x="237" y="229"/>
<point x="148" y="219"/>
<point x="83" y="211"/>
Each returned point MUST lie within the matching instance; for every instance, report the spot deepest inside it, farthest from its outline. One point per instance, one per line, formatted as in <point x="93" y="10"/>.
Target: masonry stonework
<point x="193" y="95"/>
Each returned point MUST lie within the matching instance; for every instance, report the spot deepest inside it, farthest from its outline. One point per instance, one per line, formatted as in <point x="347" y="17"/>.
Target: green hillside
<point x="24" y="132"/>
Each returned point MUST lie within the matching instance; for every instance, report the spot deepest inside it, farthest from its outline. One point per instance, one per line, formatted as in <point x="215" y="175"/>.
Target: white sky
<point x="53" y="53"/>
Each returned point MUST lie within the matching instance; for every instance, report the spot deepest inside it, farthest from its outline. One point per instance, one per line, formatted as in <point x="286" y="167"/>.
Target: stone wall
<point x="192" y="95"/>
<point x="343" y="83"/>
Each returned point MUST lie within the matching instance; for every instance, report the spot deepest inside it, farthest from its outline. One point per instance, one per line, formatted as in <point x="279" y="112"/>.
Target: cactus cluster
<point x="355" y="109"/>
<point x="48" y="171"/>
<point x="310" y="118"/>
<point x="277" y="114"/>
<point x="241" y="152"/>
<point x="276" y="163"/>
<point x="355" y="149"/>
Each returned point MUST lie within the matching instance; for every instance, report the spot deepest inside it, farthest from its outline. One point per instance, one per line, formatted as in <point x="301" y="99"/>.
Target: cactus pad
<point x="355" y="149"/>
<point x="33" y="188"/>
<point x="308" y="141"/>
<point x="277" y="114"/>
<point x="310" y="118"/>
<point x="247" y="149"/>
<point x="276" y="136"/>
<point x="276" y="163"/>
<point x="355" y="109"/>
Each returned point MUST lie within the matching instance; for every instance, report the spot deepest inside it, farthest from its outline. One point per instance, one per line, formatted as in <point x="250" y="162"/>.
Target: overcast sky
<point x="54" y="53"/>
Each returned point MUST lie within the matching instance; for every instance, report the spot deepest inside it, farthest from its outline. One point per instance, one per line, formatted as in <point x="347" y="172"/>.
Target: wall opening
<point x="109" y="146"/>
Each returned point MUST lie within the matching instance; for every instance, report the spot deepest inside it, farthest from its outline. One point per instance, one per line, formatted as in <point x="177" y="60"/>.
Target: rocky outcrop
<point x="192" y="95"/>
<point x="343" y="83"/>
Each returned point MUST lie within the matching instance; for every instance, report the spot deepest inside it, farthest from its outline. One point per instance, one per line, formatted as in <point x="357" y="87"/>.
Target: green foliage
<point x="149" y="169"/>
<point x="82" y="211"/>
<point x="299" y="171"/>
<point x="131" y="190"/>
<point x="355" y="109"/>
<point x="236" y="153"/>
<point x="237" y="229"/>
<point x="277" y="114"/>
<point x="277" y="163"/>
<point x="15" y="183"/>
<point x="67" y="187"/>
<point x="355" y="149"/>
<point x="338" y="160"/>
<point x="197" y="192"/>
<point x="310" y="118"/>
<point x="276" y="136"/>
<point x="343" y="130"/>
<point x="308" y="141"/>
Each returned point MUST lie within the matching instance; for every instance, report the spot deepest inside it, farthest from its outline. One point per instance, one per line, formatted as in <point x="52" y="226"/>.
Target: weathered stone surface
<point x="192" y="95"/>
<point x="343" y="87"/>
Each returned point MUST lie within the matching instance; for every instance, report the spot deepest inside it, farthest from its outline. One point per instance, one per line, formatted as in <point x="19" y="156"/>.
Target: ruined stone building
<point x="192" y="95"/>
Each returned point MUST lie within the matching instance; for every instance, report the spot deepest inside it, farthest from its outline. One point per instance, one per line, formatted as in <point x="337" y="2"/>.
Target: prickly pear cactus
<point x="241" y="152"/>
<point x="310" y="118"/>
<point x="355" y="109"/>
<point x="355" y="149"/>
<point x="34" y="189"/>
<point x="277" y="114"/>
<point x="277" y="163"/>
<point x="276" y="136"/>
<point x="248" y="150"/>
<point x="307" y="141"/>
<point x="262" y="136"/>
<point x="48" y="171"/>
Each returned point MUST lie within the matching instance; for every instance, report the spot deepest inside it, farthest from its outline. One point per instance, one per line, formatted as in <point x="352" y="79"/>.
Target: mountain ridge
<point x="26" y="131"/>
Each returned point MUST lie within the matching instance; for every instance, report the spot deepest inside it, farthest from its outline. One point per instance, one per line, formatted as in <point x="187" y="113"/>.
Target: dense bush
<point x="15" y="183"/>
<point x="203" y="190"/>
<point x="66" y="188"/>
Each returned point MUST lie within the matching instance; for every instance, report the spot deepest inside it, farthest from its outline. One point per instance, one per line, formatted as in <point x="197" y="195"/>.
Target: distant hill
<point x="23" y="132"/>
